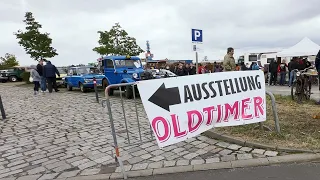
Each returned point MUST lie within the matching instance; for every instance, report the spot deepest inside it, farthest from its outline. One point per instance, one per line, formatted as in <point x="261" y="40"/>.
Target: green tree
<point x="8" y="61"/>
<point x="35" y="43"/>
<point x="116" y="41"/>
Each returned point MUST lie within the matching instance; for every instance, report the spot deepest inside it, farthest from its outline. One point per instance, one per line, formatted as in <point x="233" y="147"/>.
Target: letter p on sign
<point x="196" y="35"/>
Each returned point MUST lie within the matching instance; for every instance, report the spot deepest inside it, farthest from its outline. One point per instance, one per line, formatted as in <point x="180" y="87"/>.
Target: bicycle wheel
<point x="294" y="91"/>
<point x="307" y="90"/>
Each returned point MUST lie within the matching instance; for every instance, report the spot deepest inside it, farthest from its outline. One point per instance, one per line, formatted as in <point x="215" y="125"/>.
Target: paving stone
<point x="234" y="147"/>
<point x="139" y="153"/>
<point x="155" y="165"/>
<point x="225" y="152"/>
<point x="244" y="156"/>
<point x="77" y="163"/>
<point x="48" y="176"/>
<point x="37" y="170"/>
<point x="169" y="163"/>
<point x="197" y="161"/>
<point x="271" y="153"/>
<point x="31" y="177"/>
<point x="88" y="172"/>
<point x="182" y="162"/>
<point x="15" y="163"/>
<point x="202" y="145"/>
<point x="135" y="160"/>
<point x="259" y="155"/>
<point x="190" y="156"/>
<point x="142" y="166"/>
<point x="228" y="158"/>
<point x="212" y="160"/>
<point x="69" y="174"/>
<point x="157" y="152"/>
<point x="258" y="151"/>
<point x="223" y="144"/>
<point x="146" y="156"/>
<point x="87" y="165"/>
<point x="157" y="158"/>
<point x="147" y="145"/>
<point x="246" y="149"/>
<point x="104" y="159"/>
<point x="126" y="168"/>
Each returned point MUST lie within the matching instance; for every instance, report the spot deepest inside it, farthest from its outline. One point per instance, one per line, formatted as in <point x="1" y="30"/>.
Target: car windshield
<point x="127" y="63"/>
<point x="88" y="70"/>
<point x="62" y="70"/>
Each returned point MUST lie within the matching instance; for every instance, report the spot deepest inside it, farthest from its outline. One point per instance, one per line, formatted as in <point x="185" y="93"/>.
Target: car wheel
<point x="105" y="84"/>
<point x="69" y="88"/>
<point x="82" y="88"/>
<point x="13" y="79"/>
<point x="129" y="92"/>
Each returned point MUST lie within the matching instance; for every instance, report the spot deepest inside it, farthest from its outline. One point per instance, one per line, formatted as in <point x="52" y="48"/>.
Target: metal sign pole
<point x="197" y="64"/>
<point x="95" y="89"/>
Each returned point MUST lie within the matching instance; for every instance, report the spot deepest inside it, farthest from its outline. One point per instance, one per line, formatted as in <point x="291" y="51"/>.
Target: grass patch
<point x="299" y="129"/>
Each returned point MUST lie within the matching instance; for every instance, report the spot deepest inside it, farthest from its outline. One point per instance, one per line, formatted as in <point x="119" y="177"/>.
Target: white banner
<point x="182" y="107"/>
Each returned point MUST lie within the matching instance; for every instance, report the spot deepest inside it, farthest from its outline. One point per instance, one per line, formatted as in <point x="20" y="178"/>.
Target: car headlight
<point x="88" y="80"/>
<point x="135" y="75"/>
<point x="298" y="73"/>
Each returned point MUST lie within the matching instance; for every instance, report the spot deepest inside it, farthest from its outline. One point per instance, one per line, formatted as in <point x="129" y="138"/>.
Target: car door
<point x="109" y="72"/>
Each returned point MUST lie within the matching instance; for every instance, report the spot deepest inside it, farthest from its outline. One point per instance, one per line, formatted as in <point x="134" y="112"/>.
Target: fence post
<point x="3" y="114"/>
<point x="274" y="111"/>
<point x="95" y="89"/>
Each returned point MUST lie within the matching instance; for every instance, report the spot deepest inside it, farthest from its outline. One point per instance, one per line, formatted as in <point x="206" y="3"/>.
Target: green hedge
<point x="25" y="77"/>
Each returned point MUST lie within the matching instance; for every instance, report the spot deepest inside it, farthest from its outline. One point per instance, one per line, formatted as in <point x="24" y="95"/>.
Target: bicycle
<point x="301" y="87"/>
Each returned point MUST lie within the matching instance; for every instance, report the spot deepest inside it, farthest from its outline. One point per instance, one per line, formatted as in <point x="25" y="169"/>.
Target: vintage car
<point x="12" y="75"/>
<point x="122" y="69"/>
<point x="82" y="77"/>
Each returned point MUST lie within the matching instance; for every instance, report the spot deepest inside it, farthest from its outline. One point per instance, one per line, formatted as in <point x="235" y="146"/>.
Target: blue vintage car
<point x="122" y="69"/>
<point x="82" y="77"/>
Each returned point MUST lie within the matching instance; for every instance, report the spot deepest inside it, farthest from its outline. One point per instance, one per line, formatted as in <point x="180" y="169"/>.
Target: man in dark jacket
<point x="273" y="69"/>
<point x="49" y="72"/>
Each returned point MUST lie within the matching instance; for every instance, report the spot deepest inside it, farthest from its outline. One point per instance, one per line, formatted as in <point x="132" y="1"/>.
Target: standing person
<point x="295" y="65"/>
<point x="229" y="64"/>
<point x="193" y="70"/>
<point x="49" y="72"/>
<point x="317" y="63"/>
<point x="186" y="70"/>
<point x="43" y="83"/>
<point x="273" y="69"/>
<point x="238" y="68"/>
<point x="180" y="71"/>
<point x="282" y="69"/>
<point x="218" y="68"/>
<point x="255" y="66"/>
<point x="290" y="67"/>
<point x="36" y="78"/>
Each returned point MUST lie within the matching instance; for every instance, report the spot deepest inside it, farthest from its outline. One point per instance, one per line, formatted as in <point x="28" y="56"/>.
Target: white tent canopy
<point x="305" y="47"/>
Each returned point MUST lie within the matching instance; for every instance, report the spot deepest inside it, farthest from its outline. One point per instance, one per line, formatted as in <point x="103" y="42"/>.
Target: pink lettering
<point x="166" y="126"/>
<point x="176" y="127"/>
<point x="244" y="108"/>
<point x="232" y="110"/>
<point x="219" y="118"/>
<point x="194" y="126"/>
<point x="209" y="111"/>
<point x="258" y="106"/>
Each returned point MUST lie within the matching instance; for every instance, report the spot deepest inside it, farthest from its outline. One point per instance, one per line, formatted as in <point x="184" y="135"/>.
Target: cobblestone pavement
<point x="68" y="134"/>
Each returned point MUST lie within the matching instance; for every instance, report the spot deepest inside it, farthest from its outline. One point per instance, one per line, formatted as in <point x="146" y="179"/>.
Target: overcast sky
<point x="245" y="25"/>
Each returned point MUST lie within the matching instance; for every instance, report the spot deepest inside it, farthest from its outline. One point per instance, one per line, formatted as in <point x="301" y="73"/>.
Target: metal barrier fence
<point x="136" y="130"/>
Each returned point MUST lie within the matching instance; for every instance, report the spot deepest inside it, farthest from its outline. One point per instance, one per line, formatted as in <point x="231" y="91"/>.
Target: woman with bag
<point x="35" y="78"/>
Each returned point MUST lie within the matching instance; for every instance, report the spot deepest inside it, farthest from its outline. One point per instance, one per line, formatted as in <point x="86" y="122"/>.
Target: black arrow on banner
<point x="166" y="97"/>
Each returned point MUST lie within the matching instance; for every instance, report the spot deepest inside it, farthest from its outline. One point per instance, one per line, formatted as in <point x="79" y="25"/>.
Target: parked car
<point x="82" y="77"/>
<point x="63" y="73"/>
<point x="122" y="69"/>
<point x="12" y="75"/>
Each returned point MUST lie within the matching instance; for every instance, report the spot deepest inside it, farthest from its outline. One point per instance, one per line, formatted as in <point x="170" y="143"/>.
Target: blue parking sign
<point x="196" y="35"/>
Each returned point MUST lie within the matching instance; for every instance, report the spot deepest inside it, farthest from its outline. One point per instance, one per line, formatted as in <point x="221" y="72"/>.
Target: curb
<point x="231" y="139"/>
<point x="292" y="158"/>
